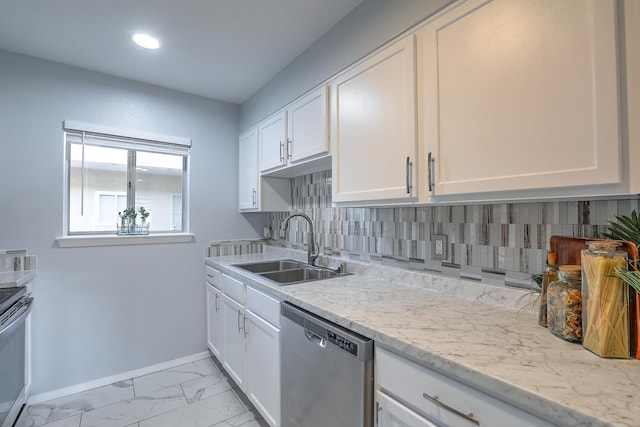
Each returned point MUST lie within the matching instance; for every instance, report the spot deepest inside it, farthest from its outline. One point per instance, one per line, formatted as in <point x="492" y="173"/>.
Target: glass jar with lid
<point x="564" y="304"/>
<point x="605" y="299"/>
<point x="549" y="275"/>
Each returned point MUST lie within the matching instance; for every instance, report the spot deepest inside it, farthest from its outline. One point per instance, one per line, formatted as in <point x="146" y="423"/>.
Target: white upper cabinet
<point x="520" y="99"/>
<point x="258" y="193"/>
<point x="272" y="136"/>
<point x="248" y="155"/>
<point x="295" y="140"/>
<point x="373" y="128"/>
<point x="308" y="123"/>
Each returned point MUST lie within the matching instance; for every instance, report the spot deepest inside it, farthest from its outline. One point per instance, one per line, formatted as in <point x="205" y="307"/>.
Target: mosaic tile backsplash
<point x="503" y="243"/>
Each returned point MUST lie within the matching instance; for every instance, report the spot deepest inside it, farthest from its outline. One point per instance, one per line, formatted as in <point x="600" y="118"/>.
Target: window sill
<point x="111" y="240"/>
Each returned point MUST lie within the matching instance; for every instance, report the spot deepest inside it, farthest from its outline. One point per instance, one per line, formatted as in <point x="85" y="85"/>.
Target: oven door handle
<point x="23" y="312"/>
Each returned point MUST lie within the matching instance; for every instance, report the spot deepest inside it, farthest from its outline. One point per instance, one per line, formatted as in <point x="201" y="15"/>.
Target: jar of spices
<point x="564" y="304"/>
<point x="605" y="299"/>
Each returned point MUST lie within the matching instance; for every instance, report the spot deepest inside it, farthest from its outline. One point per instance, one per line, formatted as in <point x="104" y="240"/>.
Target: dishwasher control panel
<point x="342" y="342"/>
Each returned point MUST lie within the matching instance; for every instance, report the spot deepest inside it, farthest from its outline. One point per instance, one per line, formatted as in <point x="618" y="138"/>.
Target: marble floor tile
<point x="196" y="394"/>
<point x="206" y="366"/>
<point x="73" y="421"/>
<point x="169" y="377"/>
<point x="205" y="387"/>
<point x="247" y="419"/>
<point x="204" y="413"/>
<point x="133" y="410"/>
<point x="65" y="407"/>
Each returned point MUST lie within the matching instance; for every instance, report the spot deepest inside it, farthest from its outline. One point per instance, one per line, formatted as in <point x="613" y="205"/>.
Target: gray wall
<point x="367" y="27"/>
<point x="106" y="310"/>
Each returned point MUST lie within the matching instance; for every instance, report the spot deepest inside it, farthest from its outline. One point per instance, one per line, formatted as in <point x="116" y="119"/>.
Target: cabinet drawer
<point x="392" y="413"/>
<point x="234" y="289"/>
<point x="445" y="400"/>
<point x="264" y="306"/>
<point x="213" y="276"/>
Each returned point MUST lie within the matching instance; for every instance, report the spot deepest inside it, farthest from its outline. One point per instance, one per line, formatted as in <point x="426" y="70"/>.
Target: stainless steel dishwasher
<point x="327" y="373"/>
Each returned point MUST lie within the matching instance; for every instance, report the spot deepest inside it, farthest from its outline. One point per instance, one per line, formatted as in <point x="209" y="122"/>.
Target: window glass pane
<point x="104" y="173"/>
<point x="176" y="212"/>
<point x="107" y="208"/>
<point x="159" y="179"/>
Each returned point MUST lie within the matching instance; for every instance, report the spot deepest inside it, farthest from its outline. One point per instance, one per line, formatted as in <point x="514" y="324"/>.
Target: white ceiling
<point x="221" y="49"/>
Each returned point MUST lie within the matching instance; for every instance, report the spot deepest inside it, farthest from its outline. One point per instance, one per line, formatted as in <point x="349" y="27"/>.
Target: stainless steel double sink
<point x="288" y="271"/>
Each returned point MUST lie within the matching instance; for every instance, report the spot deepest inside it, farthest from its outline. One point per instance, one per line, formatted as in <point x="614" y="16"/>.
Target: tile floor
<point x="196" y="394"/>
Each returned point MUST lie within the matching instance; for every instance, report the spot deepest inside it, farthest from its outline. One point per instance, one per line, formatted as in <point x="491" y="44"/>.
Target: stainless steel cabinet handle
<point x="436" y="401"/>
<point x="281" y="152"/>
<point x="289" y="148"/>
<point x="239" y="316"/>
<point x="217" y="303"/>
<point x="244" y="323"/>
<point x="253" y="197"/>
<point x="430" y="162"/>
<point x="408" y="171"/>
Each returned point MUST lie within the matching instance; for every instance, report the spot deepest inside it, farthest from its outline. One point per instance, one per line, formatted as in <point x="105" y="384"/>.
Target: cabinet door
<point x="392" y="413"/>
<point x="214" y="321"/>
<point x="248" y="176"/>
<point x="373" y="127"/>
<point x="521" y="94"/>
<point x="234" y="340"/>
<point x="307" y="120"/>
<point x="272" y="137"/>
<point x="263" y="367"/>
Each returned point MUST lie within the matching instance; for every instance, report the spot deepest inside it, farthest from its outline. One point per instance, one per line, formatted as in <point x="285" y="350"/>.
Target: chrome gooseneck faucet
<point x="311" y="252"/>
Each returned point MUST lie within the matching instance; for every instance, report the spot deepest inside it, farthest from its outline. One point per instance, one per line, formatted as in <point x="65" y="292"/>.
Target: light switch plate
<point x="439" y="247"/>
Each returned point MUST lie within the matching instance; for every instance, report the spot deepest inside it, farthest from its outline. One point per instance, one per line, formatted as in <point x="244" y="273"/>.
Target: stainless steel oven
<point x="15" y="306"/>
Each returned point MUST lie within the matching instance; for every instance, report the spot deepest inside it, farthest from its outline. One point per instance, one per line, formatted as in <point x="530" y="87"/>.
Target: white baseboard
<point x="66" y="391"/>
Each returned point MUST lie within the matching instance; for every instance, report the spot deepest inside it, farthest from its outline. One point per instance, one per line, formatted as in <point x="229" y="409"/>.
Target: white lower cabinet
<point x="243" y="333"/>
<point x="214" y="320"/>
<point x="263" y="367"/>
<point x="214" y="311"/>
<point x="408" y="395"/>
<point x="234" y="339"/>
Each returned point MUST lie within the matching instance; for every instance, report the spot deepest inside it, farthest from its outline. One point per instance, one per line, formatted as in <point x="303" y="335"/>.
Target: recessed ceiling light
<point x="146" y="41"/>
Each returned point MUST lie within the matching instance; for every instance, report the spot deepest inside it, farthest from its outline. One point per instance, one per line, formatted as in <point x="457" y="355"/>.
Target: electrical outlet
<point x="439" y="247"/>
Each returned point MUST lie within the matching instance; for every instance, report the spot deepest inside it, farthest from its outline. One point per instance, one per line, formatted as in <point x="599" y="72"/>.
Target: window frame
<point x="133" y="141"/>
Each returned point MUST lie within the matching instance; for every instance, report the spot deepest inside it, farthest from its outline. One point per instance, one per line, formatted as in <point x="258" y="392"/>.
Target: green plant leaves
<point x="625" y="228"/>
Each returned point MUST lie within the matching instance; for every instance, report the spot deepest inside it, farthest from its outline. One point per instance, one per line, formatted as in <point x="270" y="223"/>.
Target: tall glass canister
<point x="605" y="300"/>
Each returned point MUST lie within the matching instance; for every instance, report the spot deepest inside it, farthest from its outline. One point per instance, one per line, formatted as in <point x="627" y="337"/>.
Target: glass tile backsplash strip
<point x="502" y="243"/>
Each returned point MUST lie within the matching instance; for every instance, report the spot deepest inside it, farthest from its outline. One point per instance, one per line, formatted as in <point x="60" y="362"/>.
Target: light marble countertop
<point x="10" y="279"/>
<point x="469" y="332"/>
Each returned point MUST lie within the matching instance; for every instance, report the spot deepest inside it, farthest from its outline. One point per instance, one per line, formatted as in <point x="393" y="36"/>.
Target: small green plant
<point x="143" y="214"/>
<point x="627" y="228"/>
<point x="128" y="221"/>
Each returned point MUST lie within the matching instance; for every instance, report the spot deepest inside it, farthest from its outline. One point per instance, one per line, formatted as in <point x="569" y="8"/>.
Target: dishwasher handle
<point x="316" y="339"/>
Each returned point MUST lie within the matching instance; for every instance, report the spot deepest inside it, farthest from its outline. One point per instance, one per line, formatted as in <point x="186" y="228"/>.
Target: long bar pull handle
<point x="289" y="148"/>
<point x="239" y="316"/>
<point x="281" y="152"/>
<point x="430" y="170"/>
<point x="254" y="197"/>
<point x="406" y="170"/>
<point x="244" y="324"/>
<point x="436" y="401"/>
<point x="217" y="303"/>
